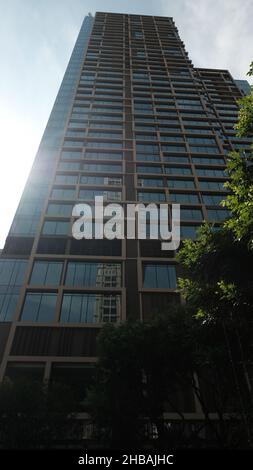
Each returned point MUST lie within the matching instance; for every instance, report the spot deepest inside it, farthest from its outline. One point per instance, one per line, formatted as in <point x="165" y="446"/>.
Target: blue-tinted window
<point x="159" y="276"/>
<point x="8" y="303"/>
<point x="103" y="156"/>
<point x="213" y="200"/>
<point x="115" y="145"/>
<point x="204" y="149"/>
<point x="208" y="161"/>
<point x="66" y="179"/>
<point x="39" y="307"/>
<point x="148" y="169"/>
<point x="147" y="182"/>
<point x="180" y="170"/>
<point x="218" y="214"/>
<point x="175" y="159"/>
<point x="214" y="185"/>
<point x="89" y="194"/>
<point x="184" y="198"/>
<point x="191" y="214"/>
<point x="53" y="227"/>
<point x="90" y="308"/>
<point x="173" y="148"/>
<point x="147" y="157"/>
<point x="102" y="168"/>
<point x="150" y="197"/>
<point x="147" y="148"/>
<point x="93" y="274"/>
<point x="12" y="275"/>
<point x="63" y="193"/>
<point x="189" y="231"/>
<point x="211" y="172"/>
<point x="61" y="210"/>
<point x="69" y="166"/>
<point x="188" y="184"/>
<point x="46" y="273"/>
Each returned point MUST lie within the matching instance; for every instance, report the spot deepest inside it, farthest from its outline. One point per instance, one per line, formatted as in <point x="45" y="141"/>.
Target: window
<point x="53" y="227"/>
<point x="184" y="198"/>
<point x="90" y="308"/>
<point x="24" y="225"/>
<point x="46" y="273"/>
<point x="218" y="214"/>
<point x="173" y="148"/>
<point x="179" y="170"/>
<point x="151" y="197"/>
<point x="138" y="35"/>
<point x="12" y="275"/>
<point x="147" y="136"/>
<point x="66" y="179"/>
<point x="69" y="166"/>
<point x="61" y="210"/>
<point x="189" y="231"/>
<point x="191" y="214"/>
<point x="105" y="117"/>
<point x="176" y="159"/>
<point x="187" y="184"/>
<point x="210" y="172"/>
<point x="71" y="155"/>
<point x="214" y="185"/>
<point x="117" y="145"/>
<point x="145" y="182"/>
<point x="204" y="149"/>
<point x="105" y="125"/>
<point x="96" y="167"/>
<point x="101" y="180"/>
<point x="208" y="161"/>
<point x="63" y="193"/>
<point x="159" y="276"/>
<point x="39" y="307"/>
<point x="89" y="194"/>
<point x="92" y="180"/>
<point x="147" y="157"/>
<point x="103" y="156"/>
<point x="171" y="138"/>
<point x="148" y="169"/>
<point x="147" y="148"/>
<point x="213" y="200"/>
<point x="106" y="134"/>
<point x="93" y="274"/>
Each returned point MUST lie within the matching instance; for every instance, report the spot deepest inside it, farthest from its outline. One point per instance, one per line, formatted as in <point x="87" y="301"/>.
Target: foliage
<point x="218" y="276"/>
<point x="244" y="127"/>
<point x="240" y="199"/>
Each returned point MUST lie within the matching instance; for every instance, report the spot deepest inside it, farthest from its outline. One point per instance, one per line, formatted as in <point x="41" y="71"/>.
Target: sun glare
<point x="19" y="141"/>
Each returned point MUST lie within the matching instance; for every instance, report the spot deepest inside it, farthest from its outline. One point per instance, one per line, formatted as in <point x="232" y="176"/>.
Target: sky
<point x="37" y="38"/>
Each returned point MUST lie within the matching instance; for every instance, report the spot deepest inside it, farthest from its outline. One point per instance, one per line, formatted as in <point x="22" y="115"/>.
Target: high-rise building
<point x="134" y="121"/>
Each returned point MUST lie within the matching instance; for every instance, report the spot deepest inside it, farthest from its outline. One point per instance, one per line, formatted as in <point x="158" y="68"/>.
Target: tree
<point x="239" y="201"/>
<point x="244" y="126"/>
